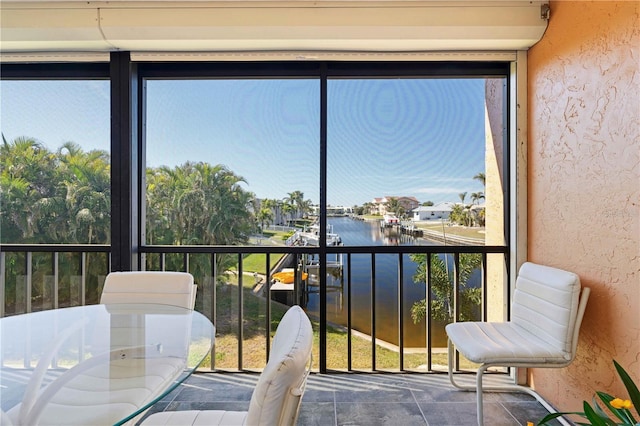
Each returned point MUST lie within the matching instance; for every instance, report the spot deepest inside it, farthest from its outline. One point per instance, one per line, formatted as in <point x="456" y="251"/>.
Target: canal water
<point x="358" y="233"/>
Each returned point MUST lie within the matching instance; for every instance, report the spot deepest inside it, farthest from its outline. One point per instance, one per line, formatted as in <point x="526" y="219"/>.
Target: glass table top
<point x="96" y="364"/>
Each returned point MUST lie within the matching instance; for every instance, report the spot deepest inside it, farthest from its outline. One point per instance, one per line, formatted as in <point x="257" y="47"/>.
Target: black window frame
<point x="127" y="81"/>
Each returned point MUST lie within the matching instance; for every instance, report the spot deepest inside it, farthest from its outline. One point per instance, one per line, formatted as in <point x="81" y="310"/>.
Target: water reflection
<point x="358" y="233"/>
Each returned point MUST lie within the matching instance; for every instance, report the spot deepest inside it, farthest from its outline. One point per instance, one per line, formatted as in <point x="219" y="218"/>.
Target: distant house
<point x="408" y="203"/>
<point x="438" y="212"/>
<point x="379" y="205"/>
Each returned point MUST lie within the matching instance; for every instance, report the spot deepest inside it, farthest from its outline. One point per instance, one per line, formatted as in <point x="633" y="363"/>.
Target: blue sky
<point x="403" y="137"/>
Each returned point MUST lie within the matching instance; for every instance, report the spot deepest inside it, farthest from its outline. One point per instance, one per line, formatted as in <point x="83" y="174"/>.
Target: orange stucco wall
<point x="584" y="184"/>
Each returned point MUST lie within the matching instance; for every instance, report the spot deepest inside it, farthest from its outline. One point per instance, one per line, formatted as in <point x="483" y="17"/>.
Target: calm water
<point x="358" y="233"/>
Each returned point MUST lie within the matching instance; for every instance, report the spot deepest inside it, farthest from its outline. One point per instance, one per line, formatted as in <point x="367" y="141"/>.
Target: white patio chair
<point x="276" y="397"/>
<point x="546" y="312"/>
<point x="160" y="287"/>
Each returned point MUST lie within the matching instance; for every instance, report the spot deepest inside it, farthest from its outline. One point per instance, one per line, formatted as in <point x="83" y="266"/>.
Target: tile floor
<point x="363" y="399"/>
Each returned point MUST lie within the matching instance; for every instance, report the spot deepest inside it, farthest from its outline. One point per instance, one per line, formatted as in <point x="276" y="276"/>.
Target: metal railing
<point x="244" y="305"/>
<point x="37" y="277"/>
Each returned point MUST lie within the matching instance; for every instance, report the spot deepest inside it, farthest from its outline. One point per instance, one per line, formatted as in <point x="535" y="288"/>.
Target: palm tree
<point x="466" y="210"/>
<point x="198" y="203"/>
<point x="269" y="203"/>
<point x="474" y="215"/>
<point x="476" y="197"/>
<point x="482" y="178"/>
<point x="265" y="215"/>
<point x="272" y="205"/>
<point x="366" y="207"/>
<point x="457" y="214"/>
<point x="158" y="206"/>
<point x="287" y="211"/>
<point x="296" y="198"/>
<point x="393" y="206"/>
<point x="228" y="219"/>
<point x="442" y="309"/>
<point x="306" y="207"/>
<point x="29" y="190"/>
<point x="87" y="181"/>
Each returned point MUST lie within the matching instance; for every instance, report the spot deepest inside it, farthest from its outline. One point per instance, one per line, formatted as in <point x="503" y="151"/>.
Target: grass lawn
<point x="255" y="262"/>
<point x="462" y="231"/>
<point x="436" y="226"/>
<point x="371" y="217"/>
<point x="276" y="235"/>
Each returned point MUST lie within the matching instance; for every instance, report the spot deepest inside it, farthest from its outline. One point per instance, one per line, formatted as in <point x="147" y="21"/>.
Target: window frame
<point x="127" y="79"/>
<point x="325" y="70"/>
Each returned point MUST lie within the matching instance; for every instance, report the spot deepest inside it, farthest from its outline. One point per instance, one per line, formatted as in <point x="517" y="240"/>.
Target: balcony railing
<point x="361" y="309"/>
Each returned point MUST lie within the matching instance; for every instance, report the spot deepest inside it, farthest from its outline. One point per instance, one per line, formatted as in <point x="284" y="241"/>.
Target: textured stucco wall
<point x="494" y="199"/>
<point x="584" y="183"/>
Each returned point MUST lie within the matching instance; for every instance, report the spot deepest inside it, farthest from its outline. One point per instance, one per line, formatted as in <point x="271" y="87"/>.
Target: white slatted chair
<point x="160" y="287"/>
<point x="547" y="311"/>
<point x="276" y="397"/>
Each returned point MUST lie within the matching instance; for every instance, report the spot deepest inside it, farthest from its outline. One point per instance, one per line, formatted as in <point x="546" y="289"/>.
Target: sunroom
<point x="203" y="136"/>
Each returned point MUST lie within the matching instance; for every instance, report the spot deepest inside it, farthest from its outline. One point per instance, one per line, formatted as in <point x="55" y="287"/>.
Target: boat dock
<point x="402" y="227"/>
<point x="311" y="237"/>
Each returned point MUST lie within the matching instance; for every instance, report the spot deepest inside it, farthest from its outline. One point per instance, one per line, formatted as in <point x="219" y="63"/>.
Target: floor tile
<point x="367" y="399"/>
<point x="527" y="411"/>
<point x="317" y="414"/>
<point x="217" y="392"/>
<point x="464" y="413"/>
<point x="379" y="413"/>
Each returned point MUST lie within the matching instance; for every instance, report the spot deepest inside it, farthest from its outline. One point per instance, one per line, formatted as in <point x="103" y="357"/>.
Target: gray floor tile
<point x="513" y="396"/>
<point x="216" y="393"/>
<point x="464" y="413"/>
<point x="374" y="394"/>
<point x="378" y="414"/>
<point x="204" y="405"/>
<point x="157" y="407"/>
<point x="314" y="395"/>
<point x="527" y="411"/>
<point x="317" y="414"/>
<point x="366" y="399"/>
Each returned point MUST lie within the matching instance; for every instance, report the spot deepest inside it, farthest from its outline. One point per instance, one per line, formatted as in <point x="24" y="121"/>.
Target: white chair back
<point x="158" y="287"/>
<point x="276" y="398"/>
<point x="545" y="303"/>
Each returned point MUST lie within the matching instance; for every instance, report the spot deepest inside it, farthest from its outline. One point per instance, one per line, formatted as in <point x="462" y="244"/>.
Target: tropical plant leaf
<point x="632" y="389"/>
<point x="606" y="398"/>
<point x="546" y="419"/>
<point x="621" y="413"/>
<point x="595" y="418"/>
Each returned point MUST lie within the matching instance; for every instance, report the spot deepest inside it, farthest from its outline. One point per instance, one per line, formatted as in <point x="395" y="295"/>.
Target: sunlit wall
<point x="494" y="207"/>
<point x="584" y="184"/>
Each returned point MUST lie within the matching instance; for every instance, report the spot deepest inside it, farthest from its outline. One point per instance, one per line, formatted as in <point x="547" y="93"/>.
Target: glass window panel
<point x="408" y="157"/>
<point x="55" y="162"/>
<point x="229" y="160"/>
